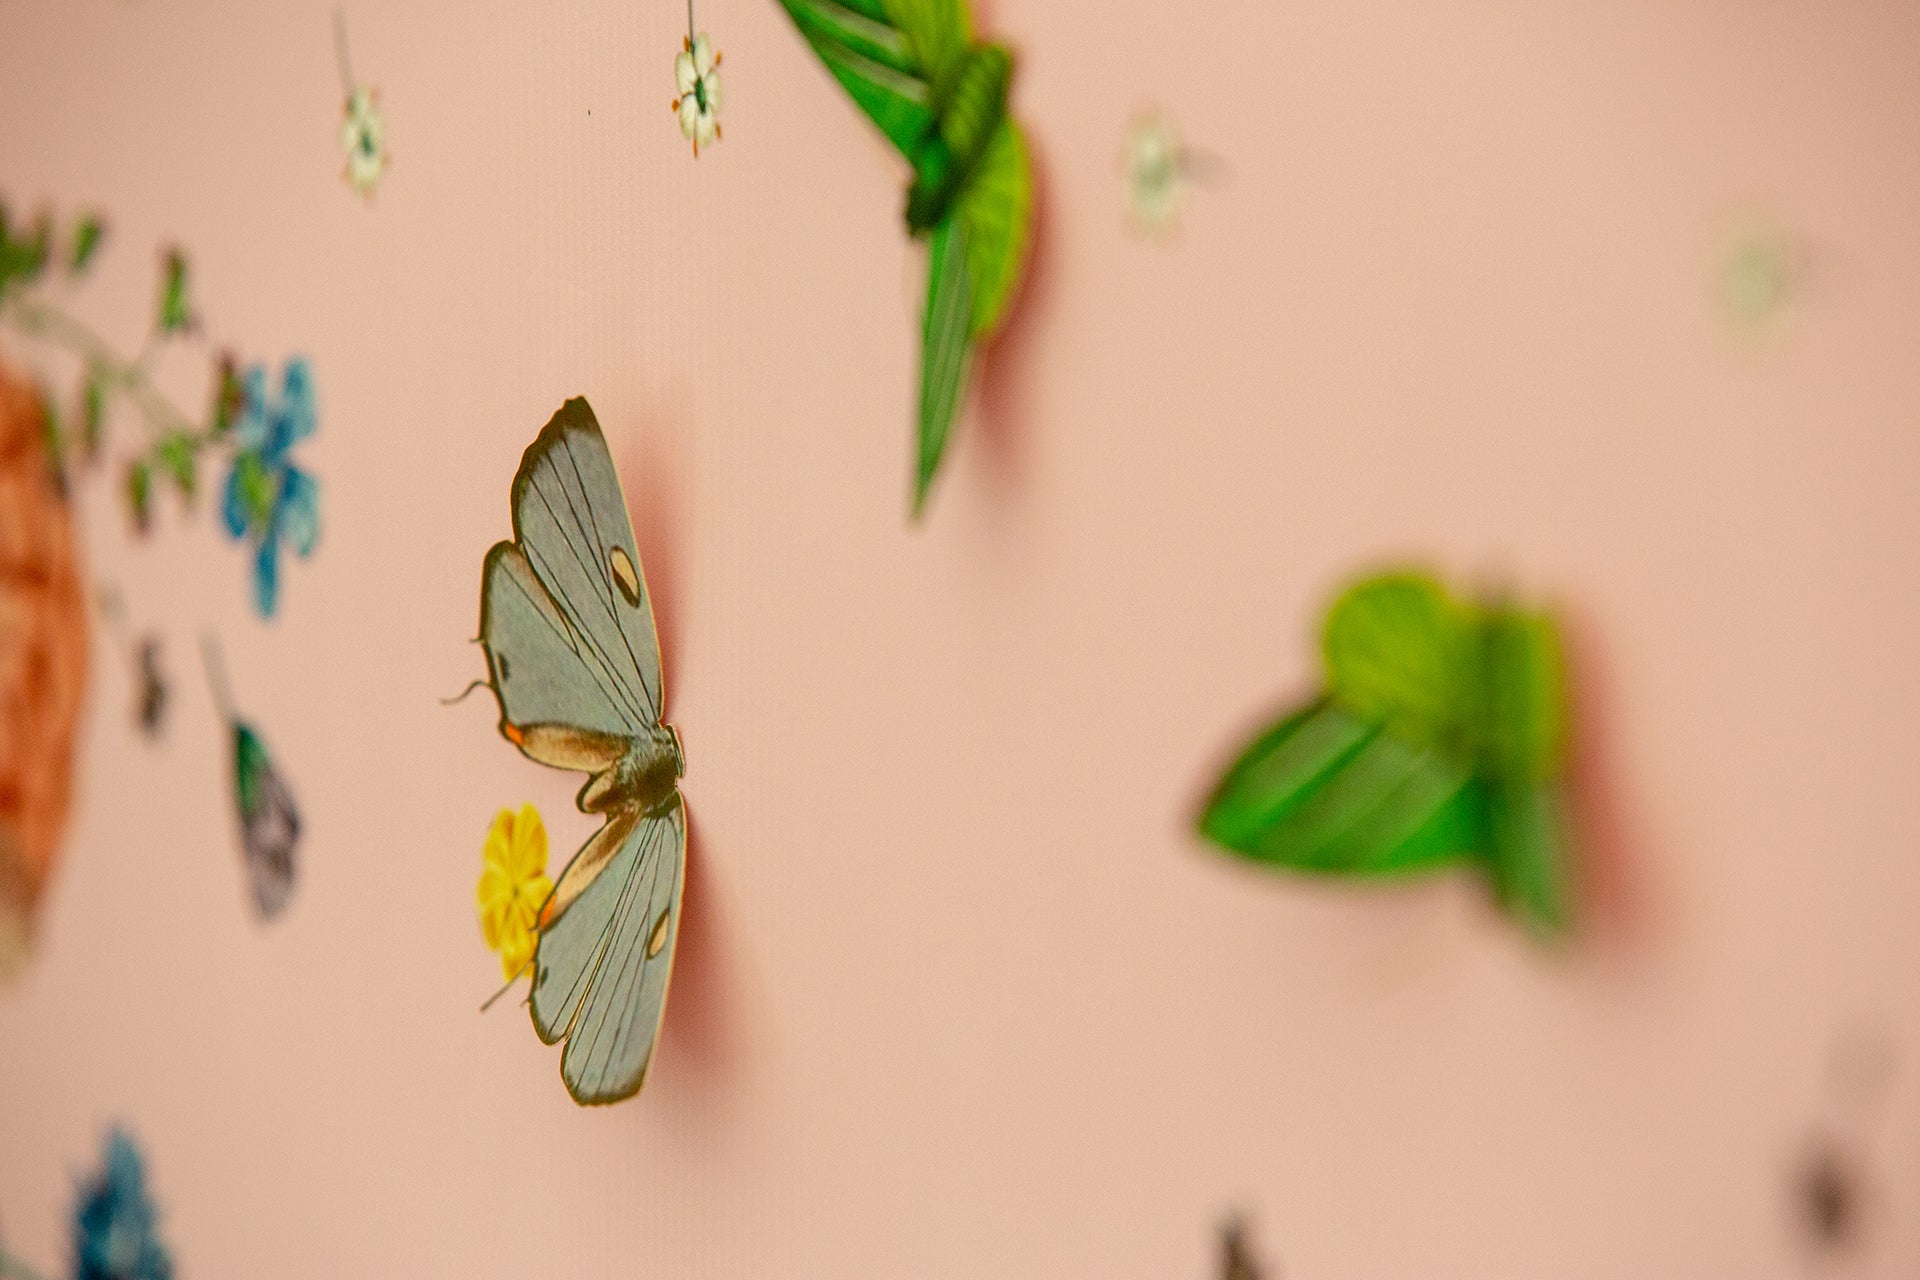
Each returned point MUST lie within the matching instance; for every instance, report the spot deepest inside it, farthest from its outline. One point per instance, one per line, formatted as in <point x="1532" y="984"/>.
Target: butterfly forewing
<point x="570" y="522"/>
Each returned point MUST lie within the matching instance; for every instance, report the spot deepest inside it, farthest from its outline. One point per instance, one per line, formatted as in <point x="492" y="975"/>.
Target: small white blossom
<point x="696" y="74"/>
<point x="363" y="136"/>
<point x="1156" y="170"/>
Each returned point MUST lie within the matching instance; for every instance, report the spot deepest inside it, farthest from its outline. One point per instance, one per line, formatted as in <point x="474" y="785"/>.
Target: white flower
<point x="1156" y="170"/>
<point x="363" y="136"/>
<point x="696" y="73"/>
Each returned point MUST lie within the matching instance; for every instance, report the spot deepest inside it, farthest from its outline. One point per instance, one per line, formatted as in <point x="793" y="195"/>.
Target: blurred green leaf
<point x="86" y="240"/>
<point x="177" y="453"/>
<point x="176" y="309"/>
<point x="997" y="211"/>
<point x="93" y="408"/>
<point x="140" y="494"/>
<point x="229" y="394"/>
<point x="1325" y="791"/>
<point x="1529" y="851"/>
<point x="1524" y="726"/>
<point x="946" y="350"/>
<point x="1400" y="650"/>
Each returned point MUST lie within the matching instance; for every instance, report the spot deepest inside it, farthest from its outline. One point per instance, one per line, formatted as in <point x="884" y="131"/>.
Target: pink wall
<point x="959" y="996"/>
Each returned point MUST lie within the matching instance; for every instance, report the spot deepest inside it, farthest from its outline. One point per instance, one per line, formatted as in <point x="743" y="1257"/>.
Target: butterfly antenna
<point x="508" y="987"/>
<point x="463" y="695"/>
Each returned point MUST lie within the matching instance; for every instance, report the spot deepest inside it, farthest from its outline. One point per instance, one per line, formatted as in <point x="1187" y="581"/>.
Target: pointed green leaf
<point x="177" y="454"/>
<point x="946" y="351"/>
<point x="1525" y="727"/>
<point x="176" y="309"/>
<point x="997" y="211"/>
<point x="1324" y="791"/>
<point x="938" y="34"/>
<point x="86" y="240"/>
<point x="140" y="494"/>
<point x="874" y="63"/>
<point x="93" y="408"/>
<point x="1529" y="852"/>
<point x="1400" y="651"/>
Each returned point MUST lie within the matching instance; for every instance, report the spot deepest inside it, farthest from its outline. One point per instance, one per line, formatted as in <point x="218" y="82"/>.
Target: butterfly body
<point x="574" y="662"/>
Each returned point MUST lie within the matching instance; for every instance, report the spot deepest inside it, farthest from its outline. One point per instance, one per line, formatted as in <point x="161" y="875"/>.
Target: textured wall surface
<point x="958" y="994"/>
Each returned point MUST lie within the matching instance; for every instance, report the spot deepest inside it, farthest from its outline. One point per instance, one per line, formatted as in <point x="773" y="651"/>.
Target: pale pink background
<point x="959" y="994"/>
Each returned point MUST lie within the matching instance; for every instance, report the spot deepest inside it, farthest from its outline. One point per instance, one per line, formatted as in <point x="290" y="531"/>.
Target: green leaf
<point x="1529" y="852"/>
<point x="997" y="210"/>
<point x="93" y="408"/>
<point x="229" y="394"/>
<point x="140" y="494"/>
<point x="1525" y="719"/>
<point x="24" y="259"/>
<point x="1400" y="651"/>
<point x="946" y="351"/>
<point x="1325" y="791"/>
<point x="176" y="309"/>
<point x="177" y="453"/>
<point x="938" y="32"/>
<point x="874" y="63"/>
<point x="86" y="241"/>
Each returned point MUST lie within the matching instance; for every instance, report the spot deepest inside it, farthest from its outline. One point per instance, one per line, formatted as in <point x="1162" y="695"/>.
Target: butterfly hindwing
<point x="570" y="522"/>
<point x="601" y="972"/>
<point x="873" y="61"/>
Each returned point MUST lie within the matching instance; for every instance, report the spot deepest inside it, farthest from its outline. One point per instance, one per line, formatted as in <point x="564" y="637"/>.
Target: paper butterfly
<point x="941" y="98"/>
<point x="574" y="661"/>
<point x="1440" y="737"/>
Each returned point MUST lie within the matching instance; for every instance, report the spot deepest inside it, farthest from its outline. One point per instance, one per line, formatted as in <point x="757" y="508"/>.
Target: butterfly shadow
<point x="698" y="1040"/>
<point x="1619" y="901"/>
<point x="1006" y="419"/>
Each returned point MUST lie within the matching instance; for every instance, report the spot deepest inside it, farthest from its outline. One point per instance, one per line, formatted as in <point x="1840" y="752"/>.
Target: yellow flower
<point x="513" y="886"/>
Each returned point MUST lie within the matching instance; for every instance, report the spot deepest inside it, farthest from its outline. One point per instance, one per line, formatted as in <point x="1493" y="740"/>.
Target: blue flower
<point x="268" y="498"/>
<point x="114" y="1225"/>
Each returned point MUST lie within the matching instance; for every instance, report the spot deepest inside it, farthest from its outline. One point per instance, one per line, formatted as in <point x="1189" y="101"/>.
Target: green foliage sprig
<point x="36" y="266"/>
<point x="1440" y="737"/>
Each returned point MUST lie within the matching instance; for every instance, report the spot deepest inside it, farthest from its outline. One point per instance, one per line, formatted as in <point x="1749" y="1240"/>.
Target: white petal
<point x="689" y="112"/>
<point x="702" y="54"/>
<point x="683" y="72"/>
<point x="706" y="129"/>
<point x="711" y="82"/>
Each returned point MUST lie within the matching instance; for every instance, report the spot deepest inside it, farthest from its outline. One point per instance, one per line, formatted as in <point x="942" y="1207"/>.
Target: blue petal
<point x="299" y="413"/>
<point x="252" y="428"/>
<point x="266" y="575"/>
<point x="299" y="514"/>
<point x="234" y="508"/>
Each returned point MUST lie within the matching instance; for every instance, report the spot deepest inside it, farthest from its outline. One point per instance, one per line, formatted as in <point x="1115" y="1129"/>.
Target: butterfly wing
<point x="570" y="523"/>
<point x="601" y="970"/>
<point x="561" y="702"/>
<point x="1326" y="791"/>
<point x="946" y="349"/>
<point x="996" y="207"/>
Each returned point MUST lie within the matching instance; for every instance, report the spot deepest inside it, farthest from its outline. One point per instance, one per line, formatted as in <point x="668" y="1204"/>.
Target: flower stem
<point x="45" y="320"/>
<point x="340" y="52"/>
<point x="690" y="32"/>
<point x="216" y="678"/>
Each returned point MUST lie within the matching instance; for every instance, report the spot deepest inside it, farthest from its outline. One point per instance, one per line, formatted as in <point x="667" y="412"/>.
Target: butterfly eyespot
<point x="659" y="937"/>
<point x="624" y="575"/>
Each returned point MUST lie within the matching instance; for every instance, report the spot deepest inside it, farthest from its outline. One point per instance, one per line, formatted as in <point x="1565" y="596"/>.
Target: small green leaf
<point x="1526" y="721"/>
<point x="176" y="309"/>
<point x="23" y="259"/>
<point x="140" y="494"/>
<point x="93" y="408"/>
<point x="946" y="351"/>
<point x="86" y="240"/>
<point x="229" y="394"/>
<point x="1529" y="852"/>
<point x="1400" y="651"/>
<point x="177" y="453"/>
<point x="997" y="210"/>
<point x="1325" y="791"/>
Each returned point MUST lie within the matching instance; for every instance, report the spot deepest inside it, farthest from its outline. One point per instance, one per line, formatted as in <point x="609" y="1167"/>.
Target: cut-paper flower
<point x="696" y="76"/>
<point x="513" y="886"/>
<point x="363" y="137"/>
<point x="1156" y="172"/>
<point x="268" y="499"/>
<point x="115" y="1225"/>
